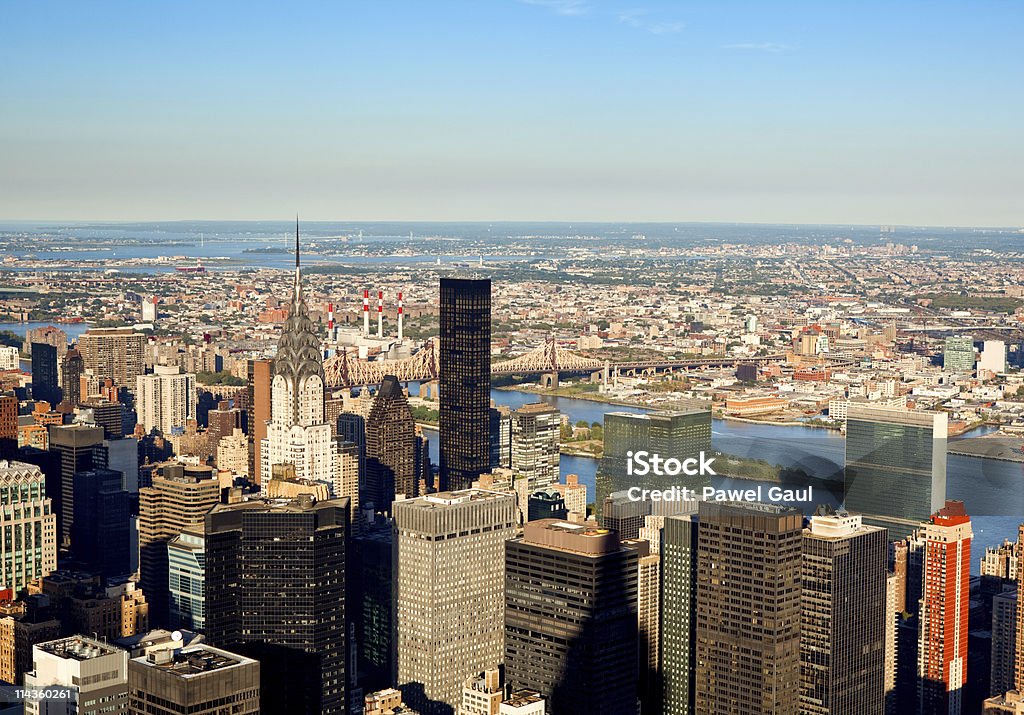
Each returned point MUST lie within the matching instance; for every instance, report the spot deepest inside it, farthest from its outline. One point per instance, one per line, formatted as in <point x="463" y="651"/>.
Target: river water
<point x="993" y="491"/>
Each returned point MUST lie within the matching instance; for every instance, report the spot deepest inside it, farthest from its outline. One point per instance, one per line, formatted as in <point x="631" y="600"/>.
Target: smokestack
<point x="400" y="316"/>
<point x="330" y="317"/>
<point x="380" y="314"/>
<point x="366" y="311"/>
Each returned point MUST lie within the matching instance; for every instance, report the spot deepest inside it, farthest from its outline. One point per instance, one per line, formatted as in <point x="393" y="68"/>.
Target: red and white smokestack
<point x="380" y="314"/>
<point x="400" y="317"/>
<point x="330" y="317"/>
<point x="366" y="311"/>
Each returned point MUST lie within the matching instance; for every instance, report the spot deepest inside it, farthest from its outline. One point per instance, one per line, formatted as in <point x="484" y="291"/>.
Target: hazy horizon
<point x="541" y="110"/>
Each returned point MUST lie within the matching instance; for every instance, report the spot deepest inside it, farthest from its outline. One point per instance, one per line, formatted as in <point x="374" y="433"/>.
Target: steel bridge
<point x="345" y="369"/>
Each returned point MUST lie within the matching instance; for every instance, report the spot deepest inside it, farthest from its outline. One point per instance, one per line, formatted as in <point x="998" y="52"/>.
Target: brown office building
<point x="748" y="609"/>
<point x="115" y="353"/>
<point x="198" y="680"/>
<point x="179" y="498"/>
<point x="571" y="617"/>
<point x="258" y="406"/>
<point x="390" y="447"/>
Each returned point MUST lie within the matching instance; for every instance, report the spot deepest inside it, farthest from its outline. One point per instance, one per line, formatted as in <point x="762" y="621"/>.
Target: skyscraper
<point x="44" y="374"/>
<point x="464" y="381"/>
<point x="536" y="444"/>
<point x="501" y="437"/>
<point x="945" y="603"/>
<point x="115" y="353"/>
<point x="29" y="549"/>
<point x="99" y="534"/>
<point x="390" y="447"/>
<point x="681" y="434"/>
<point x="449" y="585"/>
<point x="895" y="466"/>
<point x="1004" y="642"/>
<point x="186" y="580"/>
<point x="748" y="609"/>
<point x="843" y="617"/>
<point x="80" y="448"/>
<point x="166" y="399"/>
<point x="571" y="617"/>
<point x="72" y="367"/>
<point x="179" y="498"/>
<point x="649" y="683"/>
<point x="275" y="589"/>
<point x="679" y="613"/>
<point x="297" y="433"/>
<point x="258" y="374"/>
<point x="372" y="604"/>
<point x="197" y="680"/>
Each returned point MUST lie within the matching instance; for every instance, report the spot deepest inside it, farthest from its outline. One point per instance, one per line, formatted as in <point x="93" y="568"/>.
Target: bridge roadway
<point x="344" y="369"/>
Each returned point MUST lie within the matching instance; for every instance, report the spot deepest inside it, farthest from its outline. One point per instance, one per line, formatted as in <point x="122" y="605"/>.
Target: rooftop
<point x="193" y="660"/>
<point x="446" y="499"/>
<point x="77" y="648"/>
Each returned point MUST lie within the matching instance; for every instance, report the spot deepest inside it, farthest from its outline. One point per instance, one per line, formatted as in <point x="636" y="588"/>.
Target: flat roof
<point x="193" y="660"/>
<point x="78" y="648"/>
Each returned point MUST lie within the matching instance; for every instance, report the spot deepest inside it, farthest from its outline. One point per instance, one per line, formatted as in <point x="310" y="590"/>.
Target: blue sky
<point x="796" y="112"/>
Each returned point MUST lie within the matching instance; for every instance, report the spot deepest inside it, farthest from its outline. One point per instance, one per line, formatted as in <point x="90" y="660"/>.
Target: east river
<point x="993" y="491"/>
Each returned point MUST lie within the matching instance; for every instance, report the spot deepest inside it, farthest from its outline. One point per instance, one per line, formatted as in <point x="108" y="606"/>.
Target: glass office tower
<point x="895" y="466"/>
<point x="464" y="381"/>
<point x="680" y="434"/>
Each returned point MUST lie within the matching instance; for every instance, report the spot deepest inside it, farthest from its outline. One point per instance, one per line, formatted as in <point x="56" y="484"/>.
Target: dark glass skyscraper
<point x="100" y="533"/>
<point x="80" y="448"/>
<point x="44" y="374"/>
<point x="679" y="434"/>
<point x="464" y="381"/>
<point x="895" y="466"/>
<point x="275" y="589"/>
<point x="71" y="376"/>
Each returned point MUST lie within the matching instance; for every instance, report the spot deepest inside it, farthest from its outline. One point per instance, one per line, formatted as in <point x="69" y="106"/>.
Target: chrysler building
<point x="297" y="433"/>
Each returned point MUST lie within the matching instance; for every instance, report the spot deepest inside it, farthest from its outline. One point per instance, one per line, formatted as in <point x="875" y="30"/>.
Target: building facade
<point x="571" y="617"/>
<point x="681" y="434"/>
<point x="197" y="680"/>
<point x="536" y="443"/>
<point x="29" y="548"/>
<point x="748" y="609"/>
<point x="92" y="673"/>
<point x="166" y="399"/>
<point x="464" y="381"/>
<point x="843" y="617"/>
<point x="945" y="604"/>
<point x="390" y="447"/>
<point x="449" y="579"/>
<point x="895" y="466"/>
<point x="275" y="591"/>
<point x="115" y="353"/>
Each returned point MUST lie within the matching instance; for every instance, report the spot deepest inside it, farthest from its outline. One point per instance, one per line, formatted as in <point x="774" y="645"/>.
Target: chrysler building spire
<point x="298" y="350"/>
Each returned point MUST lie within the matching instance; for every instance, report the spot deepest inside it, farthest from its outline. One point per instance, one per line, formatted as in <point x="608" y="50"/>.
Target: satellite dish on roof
<point x="177" y="637"/>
